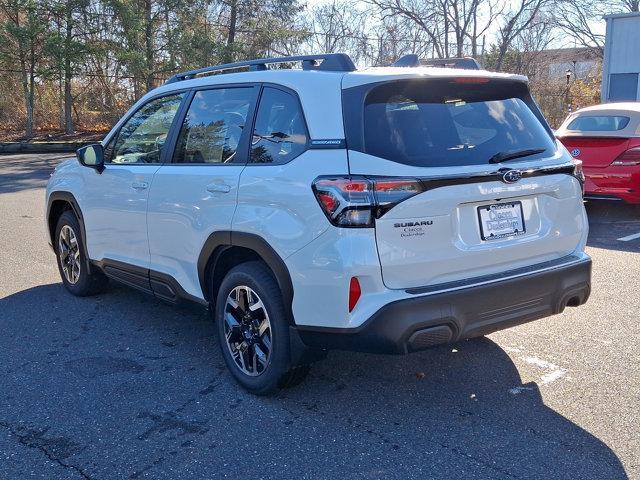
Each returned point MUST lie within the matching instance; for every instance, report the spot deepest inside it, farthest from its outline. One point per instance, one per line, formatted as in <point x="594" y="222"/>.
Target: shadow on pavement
<point x="121" y="385"/>
<point x="609" y="221"/>
<point x="27" y="171"/>
<point x="470" y="404"/>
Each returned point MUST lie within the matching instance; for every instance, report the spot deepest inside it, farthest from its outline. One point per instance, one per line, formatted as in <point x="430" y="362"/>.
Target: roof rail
<point x="327" y="62"/>
<point x="412" y="60"/>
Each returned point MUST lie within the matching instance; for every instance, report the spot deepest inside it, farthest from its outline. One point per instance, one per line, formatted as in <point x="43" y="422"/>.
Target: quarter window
<point x="143" y="136"/>
<point x="280" y="132"/>
<point x="213" y="126"/>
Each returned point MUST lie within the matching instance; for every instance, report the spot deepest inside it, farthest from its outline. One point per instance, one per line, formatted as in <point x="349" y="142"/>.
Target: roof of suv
<point x="319" y="90"/>
<point x="297" y="78"/>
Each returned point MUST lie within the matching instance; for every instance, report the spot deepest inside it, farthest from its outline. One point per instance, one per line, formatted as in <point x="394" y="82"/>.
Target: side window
<point x="280" y="133"/>
<point x="213" y="126"/>
<point x="141" y="138"/>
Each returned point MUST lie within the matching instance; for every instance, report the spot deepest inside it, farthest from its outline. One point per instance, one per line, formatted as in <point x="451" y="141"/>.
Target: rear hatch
<point x="596" y="138"/>
<point x="595" y="152"/>
<point x="461" y="215"/>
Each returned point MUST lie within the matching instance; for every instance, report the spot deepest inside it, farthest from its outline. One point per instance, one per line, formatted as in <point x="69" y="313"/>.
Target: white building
<point x="621" y="65"/>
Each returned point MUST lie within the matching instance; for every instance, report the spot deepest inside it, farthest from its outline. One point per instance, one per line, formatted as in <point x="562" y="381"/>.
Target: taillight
<point x="628" y="158"/>
<point x="577" y="170"/>
<point x="578" y="173"/>
<point x="357" y="201"/>
<point x="354" y="293"/>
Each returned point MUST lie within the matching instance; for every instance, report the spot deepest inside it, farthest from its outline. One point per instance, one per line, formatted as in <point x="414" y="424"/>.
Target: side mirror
<point x="92" y="156"/>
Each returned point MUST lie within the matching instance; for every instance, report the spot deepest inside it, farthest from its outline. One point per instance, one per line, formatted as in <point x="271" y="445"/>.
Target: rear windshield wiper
<point x="504" y="156"/>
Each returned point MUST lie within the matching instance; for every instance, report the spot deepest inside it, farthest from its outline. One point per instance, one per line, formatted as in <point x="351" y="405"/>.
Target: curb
<point x="42" y="147"/>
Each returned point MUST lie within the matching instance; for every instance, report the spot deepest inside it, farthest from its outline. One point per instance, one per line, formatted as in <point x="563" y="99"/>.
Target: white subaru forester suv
<point x="383" y="210"/>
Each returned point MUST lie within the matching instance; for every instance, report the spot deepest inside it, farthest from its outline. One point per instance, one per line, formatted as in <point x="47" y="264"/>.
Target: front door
<point x="115" y="203"/>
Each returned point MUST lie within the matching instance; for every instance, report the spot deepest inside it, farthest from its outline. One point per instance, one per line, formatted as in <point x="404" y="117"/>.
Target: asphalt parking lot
<point x="124" y="386"/>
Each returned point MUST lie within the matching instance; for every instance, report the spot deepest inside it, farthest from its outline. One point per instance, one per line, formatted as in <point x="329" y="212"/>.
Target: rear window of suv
<point x="442" y="122"/>
<point x="598" y="123"/>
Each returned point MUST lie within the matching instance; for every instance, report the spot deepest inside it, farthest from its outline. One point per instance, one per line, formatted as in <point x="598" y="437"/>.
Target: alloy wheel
<point x="247" y="330"/>
<point x="69" y="253"/>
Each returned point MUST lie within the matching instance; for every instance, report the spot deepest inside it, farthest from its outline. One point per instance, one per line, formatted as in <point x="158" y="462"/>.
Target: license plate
<point x="501" y="220"/>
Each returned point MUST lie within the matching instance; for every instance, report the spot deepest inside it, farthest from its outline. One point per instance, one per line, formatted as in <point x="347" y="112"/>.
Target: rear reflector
<point x="628" y="158"/>
<point x="328" y="201"/>
<point x="354" y="293"/>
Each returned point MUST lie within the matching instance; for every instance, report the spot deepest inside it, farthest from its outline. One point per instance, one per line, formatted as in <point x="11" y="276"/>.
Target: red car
<point x="607" y="140"/>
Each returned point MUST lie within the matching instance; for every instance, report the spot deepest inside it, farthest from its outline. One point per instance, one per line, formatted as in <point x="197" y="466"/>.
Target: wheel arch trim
<point x="61" y="195"/>
<point x="218" y="241"/>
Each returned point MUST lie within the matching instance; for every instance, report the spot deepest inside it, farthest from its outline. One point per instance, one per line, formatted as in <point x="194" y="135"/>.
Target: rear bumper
<point x="613" y="182"/>
<point x="416" y="323"/>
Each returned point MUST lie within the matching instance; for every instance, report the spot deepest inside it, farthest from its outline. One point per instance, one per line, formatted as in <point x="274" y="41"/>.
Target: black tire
<point x="280" y="372"/>
<point x="89" y="281"/>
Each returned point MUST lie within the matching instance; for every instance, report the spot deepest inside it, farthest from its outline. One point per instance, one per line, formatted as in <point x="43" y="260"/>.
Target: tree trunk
<point x="31" y="96"/>
<point x="170" y="43"/>
<point x="68" y="99"/>
<point x="502" y="52"/>
<point x="150" y="83"/>
<point x="61" y="98"/>
<point x="231" y="37"/>
<point x="28" y="102"/>
<point x="24" y="74"/>
<point x="446" y="32"/>
<point x="474" y="35"/>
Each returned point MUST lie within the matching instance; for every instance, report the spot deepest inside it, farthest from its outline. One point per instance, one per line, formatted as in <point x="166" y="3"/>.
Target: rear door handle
<point x="140" y="185"/>
<point x="218" y="188"/>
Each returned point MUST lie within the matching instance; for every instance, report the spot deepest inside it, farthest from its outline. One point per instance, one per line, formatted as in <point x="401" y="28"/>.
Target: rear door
<point x="196" y="193"/>
<point x="469" y="217"/>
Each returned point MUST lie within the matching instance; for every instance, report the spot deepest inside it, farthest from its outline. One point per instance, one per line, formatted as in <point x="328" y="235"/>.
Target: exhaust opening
<point x="574" y="302"/>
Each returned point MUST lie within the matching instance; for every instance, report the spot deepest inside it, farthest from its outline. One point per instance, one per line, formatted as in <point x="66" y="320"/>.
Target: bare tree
<point x="576" y="19"/>
<point x="463" y="20"/>
<point x="529" y="47"/>
<point x="515" y="22"/>
<point x="335" y="27"/>
<point x="427" y="16"/>
<point x="349" y="26"/>
<point x="453" y="27"/>
<point x="579" y="18"/>
<point x="395" y="37"/>
<point x="631" y="5"/>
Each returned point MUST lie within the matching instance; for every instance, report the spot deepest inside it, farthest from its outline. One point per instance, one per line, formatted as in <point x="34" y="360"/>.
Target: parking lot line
<point x="629" y="237"/>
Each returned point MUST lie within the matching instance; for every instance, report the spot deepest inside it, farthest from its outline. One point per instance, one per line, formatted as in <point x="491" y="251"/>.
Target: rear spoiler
<point x="412" y="60"/>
